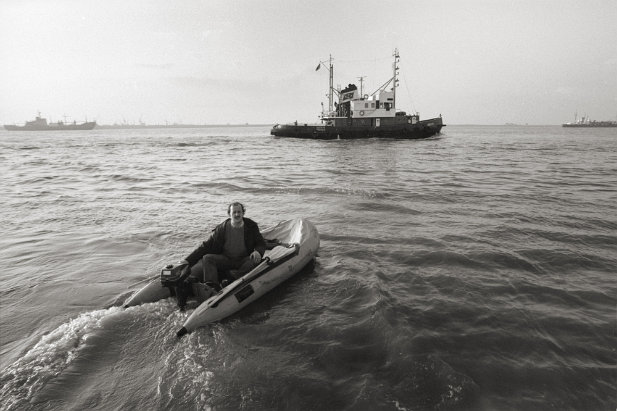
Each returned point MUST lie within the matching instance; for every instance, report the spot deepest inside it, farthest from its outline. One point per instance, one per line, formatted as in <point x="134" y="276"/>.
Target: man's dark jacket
<point x="215" y="243"/>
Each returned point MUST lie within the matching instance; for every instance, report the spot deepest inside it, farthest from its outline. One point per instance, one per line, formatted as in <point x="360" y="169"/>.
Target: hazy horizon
<point x="237" y="62"/>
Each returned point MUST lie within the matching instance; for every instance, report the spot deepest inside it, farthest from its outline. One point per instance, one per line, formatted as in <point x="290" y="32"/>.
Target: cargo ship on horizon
<point x="584" y="121"/>
<point x="41" y="124"/>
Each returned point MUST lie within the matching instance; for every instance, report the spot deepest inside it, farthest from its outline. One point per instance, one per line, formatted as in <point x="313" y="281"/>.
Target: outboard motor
<point x="171" y="277"/>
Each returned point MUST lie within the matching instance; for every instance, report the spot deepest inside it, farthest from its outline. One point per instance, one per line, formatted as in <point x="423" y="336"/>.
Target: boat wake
<point x="49" y="357"/>
<point x="75" y="354"/>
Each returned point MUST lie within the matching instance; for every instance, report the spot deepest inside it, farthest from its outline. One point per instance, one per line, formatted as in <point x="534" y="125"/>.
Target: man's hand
<point x="186" y="269"/>
<point x="255" y="257"/>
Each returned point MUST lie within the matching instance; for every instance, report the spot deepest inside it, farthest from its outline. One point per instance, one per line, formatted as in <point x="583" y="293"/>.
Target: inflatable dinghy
<point x="294" y="245"/>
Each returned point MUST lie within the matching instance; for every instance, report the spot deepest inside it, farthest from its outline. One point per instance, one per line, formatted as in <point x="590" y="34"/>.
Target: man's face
<point x="236" y="213"/>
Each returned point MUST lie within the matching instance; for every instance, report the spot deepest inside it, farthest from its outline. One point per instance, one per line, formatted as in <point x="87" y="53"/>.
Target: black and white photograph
<point x="320" y="205"/>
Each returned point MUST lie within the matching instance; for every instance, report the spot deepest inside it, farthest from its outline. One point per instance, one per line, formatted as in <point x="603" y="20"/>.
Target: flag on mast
<point x="318" y="67"/>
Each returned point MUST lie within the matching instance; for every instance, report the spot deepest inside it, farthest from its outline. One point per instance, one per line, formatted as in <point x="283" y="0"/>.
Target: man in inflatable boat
<point x="233" y="249"/>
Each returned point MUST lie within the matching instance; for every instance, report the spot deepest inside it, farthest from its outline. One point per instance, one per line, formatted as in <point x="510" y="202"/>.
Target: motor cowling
<point x="171" y="275"/>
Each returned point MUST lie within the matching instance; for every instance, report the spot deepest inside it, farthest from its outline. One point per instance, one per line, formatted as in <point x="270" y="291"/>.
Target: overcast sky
<point x="228" y="61"/>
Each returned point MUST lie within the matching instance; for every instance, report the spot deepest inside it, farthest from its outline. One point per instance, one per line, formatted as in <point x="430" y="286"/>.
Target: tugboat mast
<point x="330" y="69"/>
<point x="331" y="89"/>
<point x="395" y="70"/>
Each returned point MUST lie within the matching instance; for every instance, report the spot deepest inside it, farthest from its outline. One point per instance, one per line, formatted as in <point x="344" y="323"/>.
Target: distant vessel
<point x="41" y="124"/>
<point x="356" y="115"/>
<point x="585" y="122"/>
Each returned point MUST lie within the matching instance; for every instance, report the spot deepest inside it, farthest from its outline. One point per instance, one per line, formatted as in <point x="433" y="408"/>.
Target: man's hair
<point x="235" y="203"/>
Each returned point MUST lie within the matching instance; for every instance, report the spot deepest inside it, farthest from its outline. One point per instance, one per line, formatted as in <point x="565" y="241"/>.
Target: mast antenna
<point x="330" y="69"/>
<point x="394" y="77"/>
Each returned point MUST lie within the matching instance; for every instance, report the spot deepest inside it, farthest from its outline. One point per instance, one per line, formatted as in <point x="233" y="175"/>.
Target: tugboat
<point x="362" y="116"/>
<point x="40" y="124"/>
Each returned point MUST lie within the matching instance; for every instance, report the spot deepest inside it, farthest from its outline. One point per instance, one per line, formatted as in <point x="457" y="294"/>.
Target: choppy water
<point x="474" y="270"/>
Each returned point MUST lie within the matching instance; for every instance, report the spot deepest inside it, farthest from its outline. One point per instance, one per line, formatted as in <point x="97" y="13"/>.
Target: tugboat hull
<point x="402" y="128"/>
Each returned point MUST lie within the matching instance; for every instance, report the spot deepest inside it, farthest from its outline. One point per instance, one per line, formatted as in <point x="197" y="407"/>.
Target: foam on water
<point x="49" y="357"/>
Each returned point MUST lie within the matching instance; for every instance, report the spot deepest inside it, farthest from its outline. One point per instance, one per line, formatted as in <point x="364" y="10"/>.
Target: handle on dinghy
<point x="262" y="268"/>
<point x="264" y="263"/>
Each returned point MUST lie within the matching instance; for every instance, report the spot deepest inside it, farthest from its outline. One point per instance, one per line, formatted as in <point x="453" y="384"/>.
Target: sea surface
<point x="475" y="270"/>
